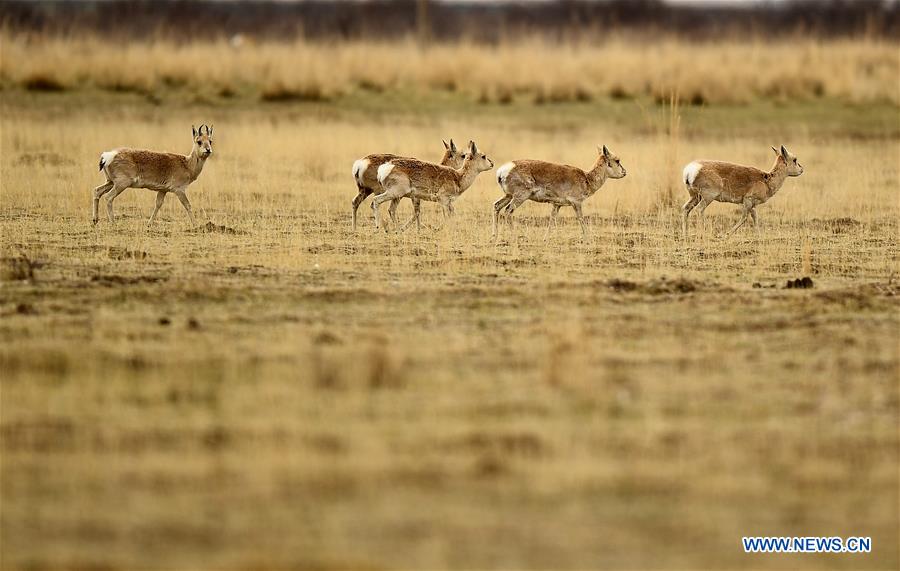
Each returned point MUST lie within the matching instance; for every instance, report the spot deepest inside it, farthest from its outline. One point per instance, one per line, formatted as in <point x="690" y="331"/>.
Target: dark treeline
<point x="384" y="19"/>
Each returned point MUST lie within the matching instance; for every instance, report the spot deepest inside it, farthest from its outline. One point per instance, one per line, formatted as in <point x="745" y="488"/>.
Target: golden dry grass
<point x="300" y="396"/>
<point x="857" y="71"/>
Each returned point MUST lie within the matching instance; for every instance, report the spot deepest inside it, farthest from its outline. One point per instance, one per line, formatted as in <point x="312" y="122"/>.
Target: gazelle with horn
<point x="717" y="181"/>
<point x="420" y="180"/>
<point x="559" y="185"/>
<point x="163" y="172"/>
<point x="365" y="172"/>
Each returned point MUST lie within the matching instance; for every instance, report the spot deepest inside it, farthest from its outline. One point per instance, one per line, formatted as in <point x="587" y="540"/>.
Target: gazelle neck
<point x="775" y="177"/>
<point x="597" y="175"/>
<point x="467" y="175"/>
<point x="195" y="162"/>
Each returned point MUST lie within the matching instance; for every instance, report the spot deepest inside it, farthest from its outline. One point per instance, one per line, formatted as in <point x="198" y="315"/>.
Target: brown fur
<point x="422" y="180"/>
<point x="738" y="182"/>
<point x="451" y="157"/>
<point x="370" y="174"/>
<point x="152" y="170"/>
<point x="718" y="181"/>
<point x="162" y="172"/>
<point x="559" y="185"/>
<point x="428" y="181"/>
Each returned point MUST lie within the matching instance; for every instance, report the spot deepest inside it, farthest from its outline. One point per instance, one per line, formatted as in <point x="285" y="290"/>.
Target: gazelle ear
<point x="446" y="146"/>
<point x="452" y="146"/>
<point x="775" y="150"/>
<point x="605" y="151"/>
<point x="209" y="130"/>
<point x="194" y="131"/>
<point x="472" y="148"/>
<point x="784" y="152"/>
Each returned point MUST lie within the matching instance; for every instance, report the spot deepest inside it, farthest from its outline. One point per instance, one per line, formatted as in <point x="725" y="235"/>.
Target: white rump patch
<point x="359" y="167"/>
<point x="690" y="173"/>
<point x="106" y="158"/>
<point x="503" y="172"/>
<point x="384" y="171"/>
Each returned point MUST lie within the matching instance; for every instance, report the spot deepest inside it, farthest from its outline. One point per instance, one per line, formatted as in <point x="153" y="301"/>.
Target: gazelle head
<point x="203" y="140"/>
<point x="614" y="168"/>
<point x="794" y="168"/>
<point x="479" y="161"/>
<point x="453" y="157"/>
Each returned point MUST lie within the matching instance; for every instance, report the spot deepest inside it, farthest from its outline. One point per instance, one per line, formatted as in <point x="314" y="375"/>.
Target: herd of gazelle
<point x="392" y="177"/>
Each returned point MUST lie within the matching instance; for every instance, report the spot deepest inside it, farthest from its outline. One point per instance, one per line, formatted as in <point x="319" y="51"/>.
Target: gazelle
<point x="559" y="185"/>
<point x="711" y="181"/>
<point x="420" y="180"/>
<point x="162" y="172"/>
<point x="365" y="172"/>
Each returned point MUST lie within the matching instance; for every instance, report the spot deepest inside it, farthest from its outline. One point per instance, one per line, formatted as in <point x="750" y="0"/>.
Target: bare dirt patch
<point x="109" y="280"/>
<point x="805" y="282"/>
<point x="117" y="253"/>
<point x="660" y="286"/>
<point x="17" y="268"/>
<point x="213" y="228"/>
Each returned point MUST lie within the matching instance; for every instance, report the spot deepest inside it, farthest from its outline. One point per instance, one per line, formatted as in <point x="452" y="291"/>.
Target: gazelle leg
<point x="447" y="207"/>
<point x="116" y="191"/>
<point x="395" y="187"/>
<point x="552" y="221"/>
<point x="755" y="219"/>
<point x="744" y="214"/>
<point x="389" y="194"/>
<point x="498" y="206"/>
<point x="580" y="216"/>
<point x="187" y="205"/>
<point x="160" y="198"/>
<point x="446" y="210"/>
<point x="99" y="192"/>
<point x="417" y="211"/>
<point x="516" y="202"/>
<point x="392" y="210"/>
<point x="704" y="203"/>
<point x="363" y="192"/>
<point x="376" y="202"/>
<point x="686" y="210"/>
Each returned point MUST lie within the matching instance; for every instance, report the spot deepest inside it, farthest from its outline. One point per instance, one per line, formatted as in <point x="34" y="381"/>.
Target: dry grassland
<point x="279" y="392"/>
